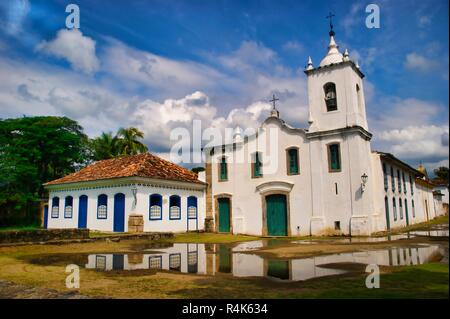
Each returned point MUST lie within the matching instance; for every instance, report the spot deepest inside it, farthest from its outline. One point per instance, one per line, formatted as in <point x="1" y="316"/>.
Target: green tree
<point x="105" y="146"/>
<point x="128" y="141"/>
<point x="35" y="150"/>
<point x="441" y="174"/>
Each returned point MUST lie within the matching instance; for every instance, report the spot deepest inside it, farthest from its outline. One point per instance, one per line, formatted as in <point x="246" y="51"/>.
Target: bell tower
<point x="339" y="143"/>
<point x="335" y="91"/>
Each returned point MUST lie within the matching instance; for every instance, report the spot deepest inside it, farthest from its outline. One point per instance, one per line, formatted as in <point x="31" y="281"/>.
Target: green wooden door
<point x="278" y="269"/>
<point x="224" y="215"/>
<point x="224" y="259"/>
<point x="276" y="215"/>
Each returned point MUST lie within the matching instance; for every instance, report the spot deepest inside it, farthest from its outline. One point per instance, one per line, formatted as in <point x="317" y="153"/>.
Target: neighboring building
<point x="122" y="193"/>
<point x="442" y="188"/>
<point x="315" y="181"/>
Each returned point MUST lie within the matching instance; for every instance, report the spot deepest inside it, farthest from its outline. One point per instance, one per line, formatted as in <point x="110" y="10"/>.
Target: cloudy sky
<point x="161" y="64"/>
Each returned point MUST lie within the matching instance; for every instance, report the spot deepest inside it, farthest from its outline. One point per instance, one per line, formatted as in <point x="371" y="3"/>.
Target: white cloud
<point x="417" y="62"/>
<point x="15" y="14"/>
<point x="153" y="71"/>
<point x="293" y="46"/>
<point x="72" y="45"/>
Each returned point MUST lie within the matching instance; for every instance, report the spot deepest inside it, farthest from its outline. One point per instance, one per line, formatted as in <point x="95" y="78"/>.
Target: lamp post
<point x="364" y="178"/>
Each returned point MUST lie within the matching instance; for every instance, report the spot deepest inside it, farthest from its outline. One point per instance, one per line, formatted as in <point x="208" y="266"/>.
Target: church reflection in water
<point x="239" y="261"/>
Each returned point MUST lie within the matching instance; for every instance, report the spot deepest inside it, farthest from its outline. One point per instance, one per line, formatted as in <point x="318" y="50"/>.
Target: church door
<point x="82" y="211"/>
<point x="119" y="212"/>
<point x="276" y="214"/>
<point x="224" y="215"/>
<point x="278" y="269"/>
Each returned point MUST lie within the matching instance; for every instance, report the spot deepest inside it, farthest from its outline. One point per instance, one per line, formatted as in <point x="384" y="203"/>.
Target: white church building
<point x="286" y="181"/>
<point x="282" y="181"/>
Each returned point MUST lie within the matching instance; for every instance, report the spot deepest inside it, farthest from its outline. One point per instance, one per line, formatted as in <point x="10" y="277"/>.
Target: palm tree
<point x="105" y="146"/>
<point x="128" y="141"/>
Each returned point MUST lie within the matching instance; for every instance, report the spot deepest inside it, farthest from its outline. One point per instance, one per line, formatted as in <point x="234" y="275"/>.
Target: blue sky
<point x="161" y="64"/>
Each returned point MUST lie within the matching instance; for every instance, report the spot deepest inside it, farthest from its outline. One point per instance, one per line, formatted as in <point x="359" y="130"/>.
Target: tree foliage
<point x="125" y="142"/>
<point x="34" y="150"/>
<point x="441" y="174"/>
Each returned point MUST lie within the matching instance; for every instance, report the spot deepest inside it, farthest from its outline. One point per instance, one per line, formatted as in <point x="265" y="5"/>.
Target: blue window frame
<point x="55" y="207"/>
<point x="102" y="206"/>
<point x="174" y="207"/>
<point x="192" y="207"/>
<point x="155" y="207"/>
<point x="68" y="207"/>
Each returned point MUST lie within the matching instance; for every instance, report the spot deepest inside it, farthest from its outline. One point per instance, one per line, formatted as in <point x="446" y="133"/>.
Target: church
<point x="281" y="181"/>
<point x="323" y="180"/>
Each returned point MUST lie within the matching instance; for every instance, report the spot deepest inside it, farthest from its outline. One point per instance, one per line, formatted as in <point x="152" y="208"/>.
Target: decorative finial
<point x="330" y="16"/>
<point x="357" y="64"/>
<point x="274" y="111"/>
<point x="309" y="66"/>
<point x="346" y="56"/>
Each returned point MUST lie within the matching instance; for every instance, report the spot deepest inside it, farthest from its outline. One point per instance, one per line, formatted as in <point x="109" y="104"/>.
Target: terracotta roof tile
<point x="141" y="165"/>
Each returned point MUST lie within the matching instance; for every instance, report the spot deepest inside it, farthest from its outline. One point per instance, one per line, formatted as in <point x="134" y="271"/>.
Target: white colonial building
<point x="133" y="193"/>
<point x="286" y="181"/>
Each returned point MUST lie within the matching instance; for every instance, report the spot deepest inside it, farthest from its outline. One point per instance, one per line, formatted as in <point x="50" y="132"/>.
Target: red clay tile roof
<point x="141" y="165"/>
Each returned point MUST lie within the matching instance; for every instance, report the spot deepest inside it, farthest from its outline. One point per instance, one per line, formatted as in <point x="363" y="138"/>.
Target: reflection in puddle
<point x="217" y="259"/>
<point x="431" y="233"/>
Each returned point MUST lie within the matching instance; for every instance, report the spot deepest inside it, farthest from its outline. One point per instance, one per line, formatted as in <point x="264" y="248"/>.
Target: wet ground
<point x="275" y="259"/>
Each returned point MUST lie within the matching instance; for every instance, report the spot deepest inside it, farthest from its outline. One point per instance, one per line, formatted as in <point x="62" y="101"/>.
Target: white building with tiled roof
<point x="133" y="193"/>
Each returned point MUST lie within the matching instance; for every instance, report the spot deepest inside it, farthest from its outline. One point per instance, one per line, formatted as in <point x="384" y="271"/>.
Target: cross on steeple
<point x="273" y="100"/>
<point x="330" y="17"/>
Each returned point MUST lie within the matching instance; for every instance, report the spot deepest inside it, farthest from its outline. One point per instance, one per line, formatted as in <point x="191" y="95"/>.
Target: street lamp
<point x="364" y="178"/>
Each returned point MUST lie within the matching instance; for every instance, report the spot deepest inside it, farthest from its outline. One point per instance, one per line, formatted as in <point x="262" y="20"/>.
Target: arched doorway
<point x="276" y="215"/>
<point x="119" y="213"/>
<point x="82" y="211"/>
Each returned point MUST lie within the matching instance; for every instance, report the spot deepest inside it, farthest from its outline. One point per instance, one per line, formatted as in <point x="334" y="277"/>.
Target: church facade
<point x="317" y="181"/>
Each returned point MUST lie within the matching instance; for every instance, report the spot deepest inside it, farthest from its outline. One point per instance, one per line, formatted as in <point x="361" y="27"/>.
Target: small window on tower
<point x="330" y="96"/>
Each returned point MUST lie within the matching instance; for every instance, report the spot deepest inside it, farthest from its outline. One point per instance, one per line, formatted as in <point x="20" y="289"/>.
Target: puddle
<point x="431" y="233"/>
<point x="219" y="259"/>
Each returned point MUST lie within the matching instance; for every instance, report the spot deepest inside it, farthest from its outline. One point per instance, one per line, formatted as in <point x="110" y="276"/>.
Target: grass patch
<point x="209" y="238"/>
<point x="425" y="225"/>
<point x="19" y="228"/>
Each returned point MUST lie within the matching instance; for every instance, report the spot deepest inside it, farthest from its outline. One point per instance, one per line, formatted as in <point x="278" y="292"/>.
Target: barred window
<point x="155" y="212"/>
<point x="155" y="262"/>
<point x="175" y="261"/>
<point x="192" y="207"/>
<point x="175" y="209"/>
<point x="102" y="207"/>
<point x="100" y="262"/>
<point x="55" y="207"/>
<point x="155" y="207"/>
<point x="68" y="207"/>
<point x="192" y="212"/>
